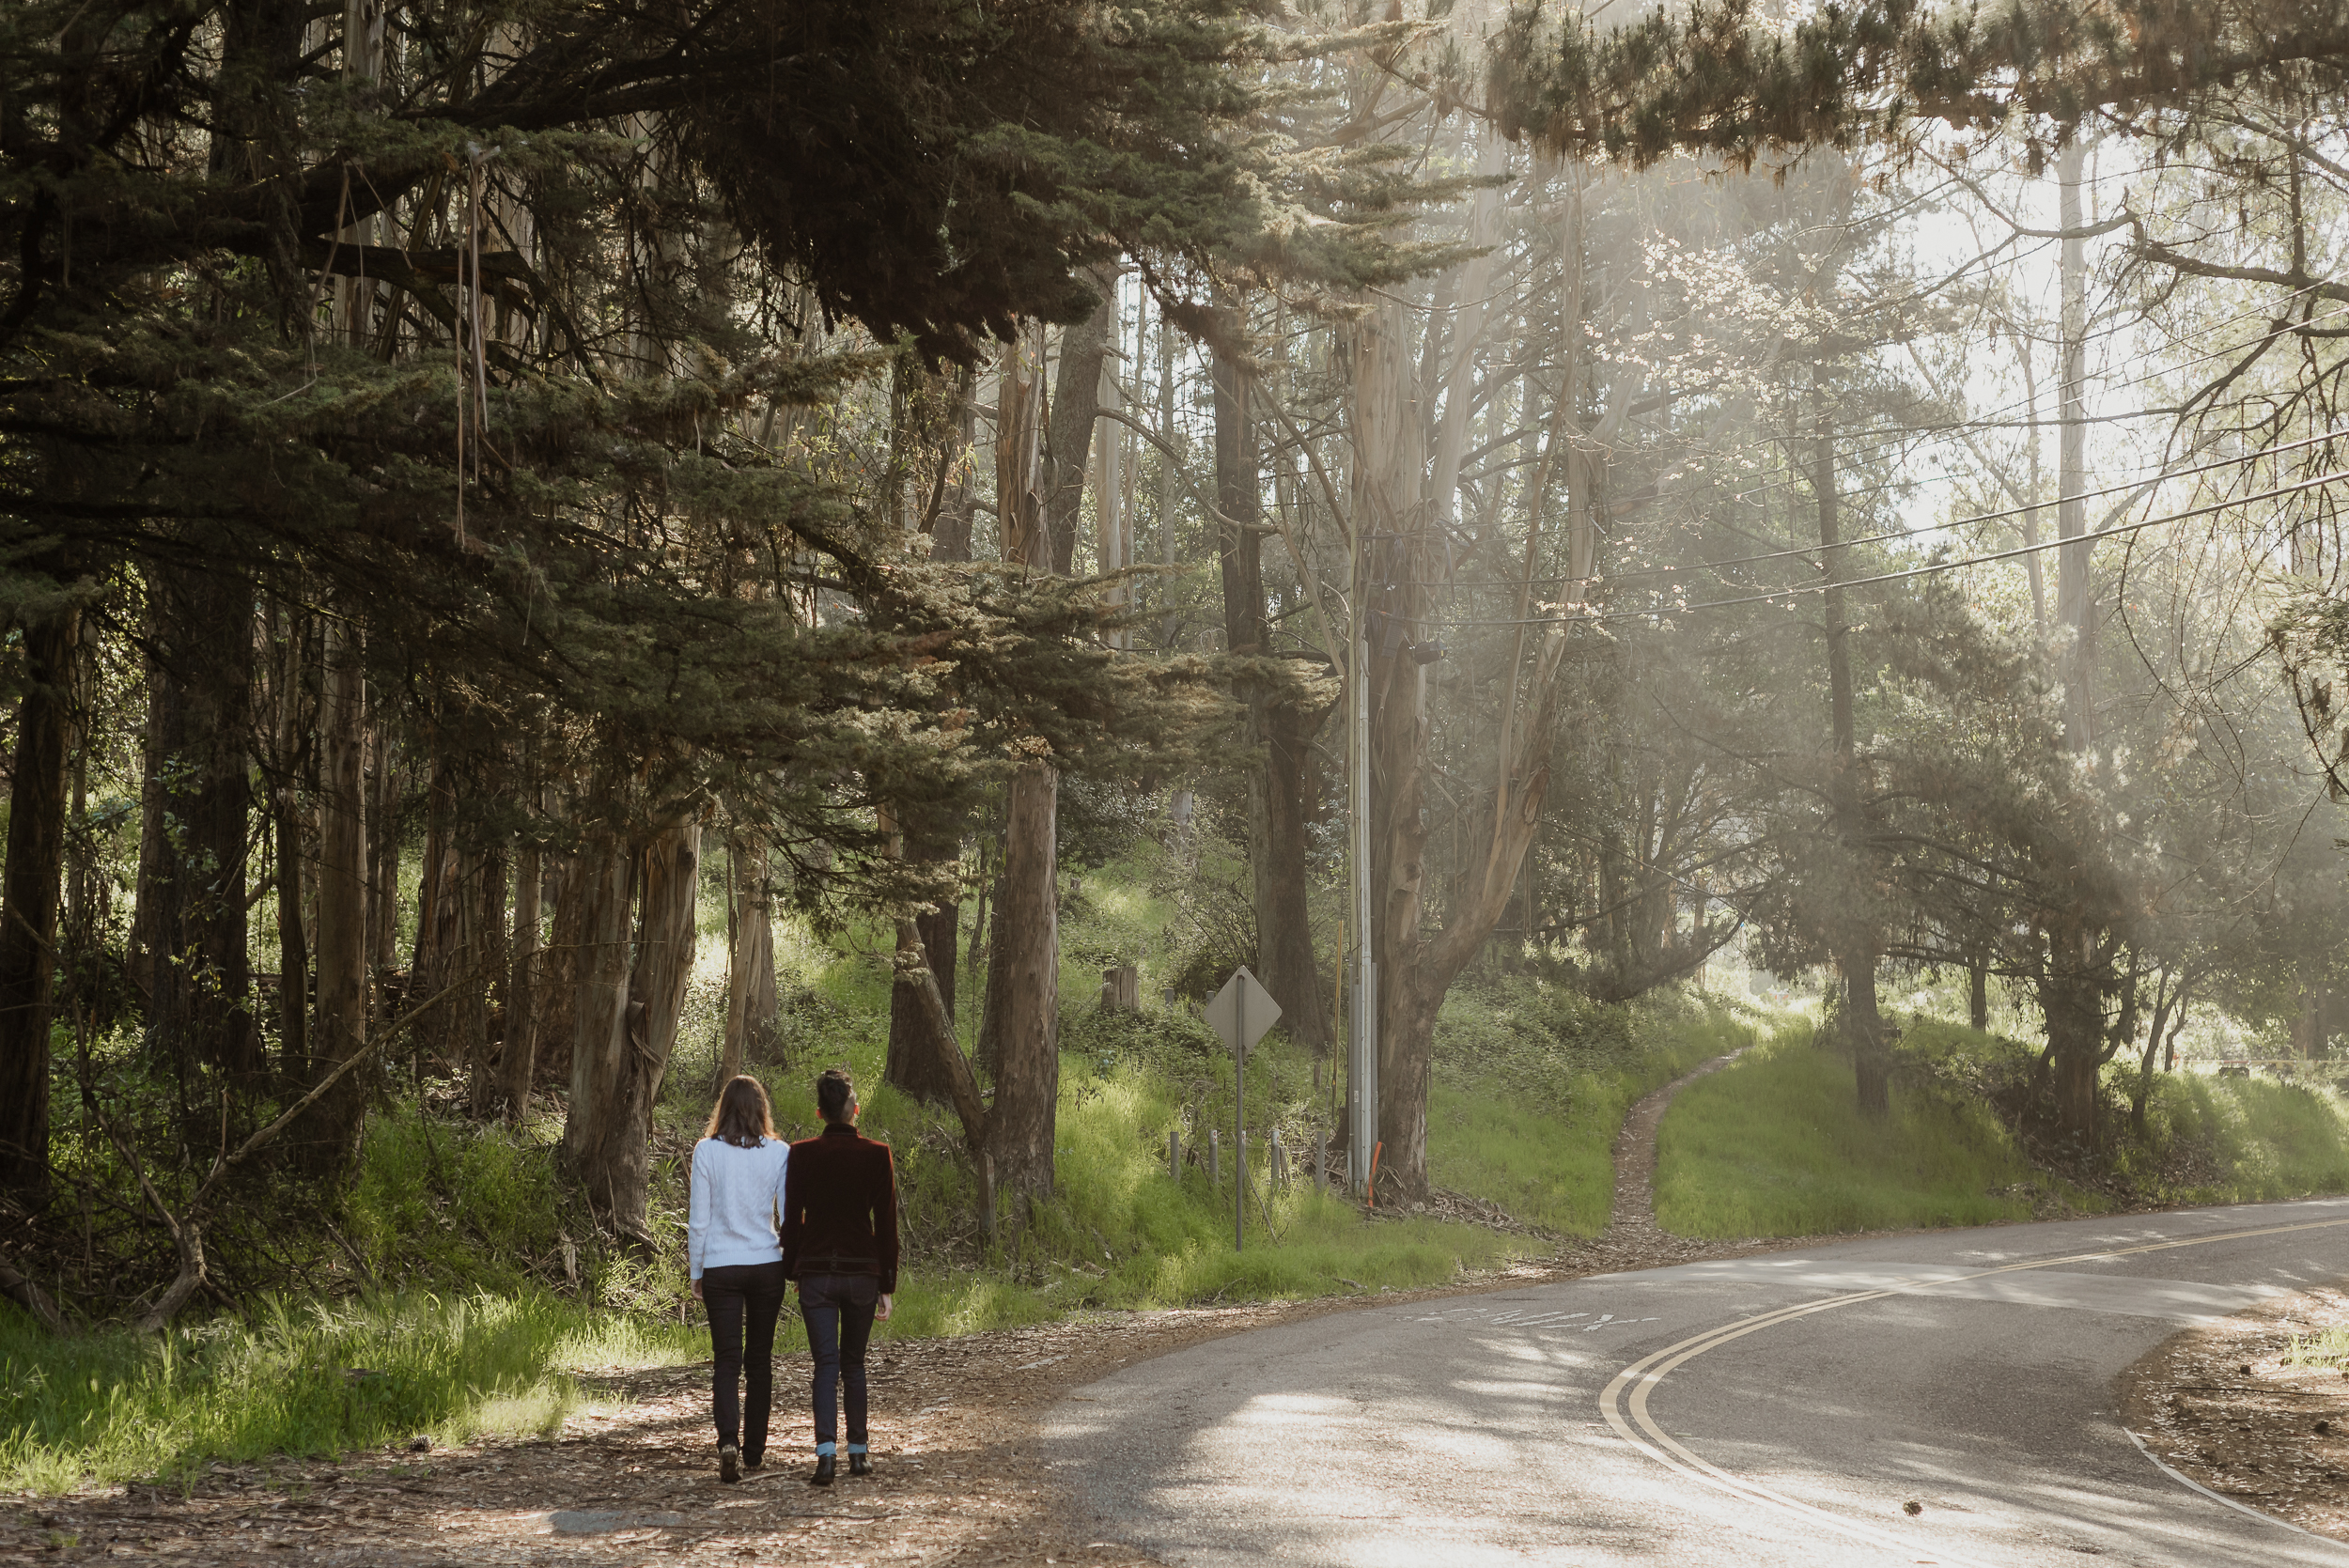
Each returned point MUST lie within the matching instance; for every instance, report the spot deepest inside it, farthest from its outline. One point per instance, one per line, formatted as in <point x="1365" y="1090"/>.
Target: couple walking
<point x="837" y="1196"/>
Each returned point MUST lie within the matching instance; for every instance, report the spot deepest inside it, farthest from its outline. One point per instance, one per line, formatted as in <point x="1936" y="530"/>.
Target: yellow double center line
<point x="1624" y="1401"/>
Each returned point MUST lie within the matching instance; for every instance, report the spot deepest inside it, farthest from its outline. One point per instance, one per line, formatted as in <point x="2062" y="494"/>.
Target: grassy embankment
<point x="459" y="1319"/>
<point x="1776" y="1146"/>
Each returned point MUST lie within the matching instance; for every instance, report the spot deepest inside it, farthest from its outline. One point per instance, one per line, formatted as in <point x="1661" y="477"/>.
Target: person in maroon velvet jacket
<point x="840" y="1243"/>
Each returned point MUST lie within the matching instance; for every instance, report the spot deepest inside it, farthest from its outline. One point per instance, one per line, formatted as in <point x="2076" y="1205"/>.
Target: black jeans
<point x="839" y="1312"/>
<point x="744" y="1300"/>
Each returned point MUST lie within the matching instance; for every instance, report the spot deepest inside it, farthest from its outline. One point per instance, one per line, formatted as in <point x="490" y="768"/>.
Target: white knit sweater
<point x="737" y="1192"/>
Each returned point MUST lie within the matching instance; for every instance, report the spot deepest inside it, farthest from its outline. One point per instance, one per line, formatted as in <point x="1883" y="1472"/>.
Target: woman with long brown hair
<point x="736" y="1259"/>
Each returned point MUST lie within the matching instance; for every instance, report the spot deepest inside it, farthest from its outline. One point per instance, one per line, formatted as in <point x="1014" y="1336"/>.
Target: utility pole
<point x="2074" y="602"/>
<point x="1361" y="1075"/>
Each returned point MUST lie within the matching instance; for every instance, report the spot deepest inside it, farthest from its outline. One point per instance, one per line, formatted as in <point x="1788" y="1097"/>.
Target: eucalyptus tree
<point x="466" y="335"/>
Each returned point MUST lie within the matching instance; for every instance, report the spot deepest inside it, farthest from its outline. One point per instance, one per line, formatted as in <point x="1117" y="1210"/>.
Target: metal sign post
<point x="1361" y="1066"/>
<point x="1240" y="1014"/>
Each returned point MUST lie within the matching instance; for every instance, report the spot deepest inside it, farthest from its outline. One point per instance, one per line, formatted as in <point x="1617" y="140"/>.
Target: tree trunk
<point x="1977" y="995"/>
<point x="559" y="970"/>
<point x="1021" y="1020"/>
<point x="520" y="1059"/>
<point x="668" y="933"/>
<point x="1853" y="938"/>
<point x="1076" y="410"/>
<point x="293" y="952"/>
<point x="435" y="906"/>
<point x="341" y="1015"/>
<point x="1285" y="933"/>
<point x="1023" y="1000"/>
<point x="603" y="1061"/>
<point x="383" y="834"/>
<point x="2167" y="1000"/>
<point x="1279" y="734"/>
<point x="952" y="1067"/>
<point x="754" y="1011"/>
<point x="918" y="1063"/>
<point x="296" y="723"/>
<point x="201" y="1007"/>
<point x="2074" y="1004"/>
<point x="490" y="958"/>
<point x="153" y="903"/>
<point x="627" y="1019"/>
<point x="1018" y="453"/>
<point x="31" y="889"/>
<point x="1399" y="561"/>
<point x="951" y="538"/>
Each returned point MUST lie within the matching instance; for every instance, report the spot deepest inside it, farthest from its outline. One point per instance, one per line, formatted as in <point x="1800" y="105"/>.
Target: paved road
<point x="1609" y="1421"/>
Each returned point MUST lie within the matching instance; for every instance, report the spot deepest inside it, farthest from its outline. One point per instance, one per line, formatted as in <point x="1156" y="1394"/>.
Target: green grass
<point x="2327" y="1347"/>
<point x="456" y="1299"/>
<point x="1775" y="1145"/>
<point x="112" y="1406"/>
<point x="1532" y="1086"/>
<point x="2255" y="1141"/>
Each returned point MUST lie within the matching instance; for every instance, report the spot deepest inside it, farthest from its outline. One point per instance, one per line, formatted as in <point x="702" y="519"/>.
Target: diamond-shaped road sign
<point x="1242" y="1010"/>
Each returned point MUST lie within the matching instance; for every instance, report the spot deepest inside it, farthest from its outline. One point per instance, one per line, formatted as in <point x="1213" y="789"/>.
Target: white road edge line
<point x="1641" y="1380"/>
<point x="2191" y="1484"/>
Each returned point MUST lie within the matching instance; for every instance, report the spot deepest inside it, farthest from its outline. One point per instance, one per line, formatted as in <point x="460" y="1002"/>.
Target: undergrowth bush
<point x="2206" y="1140"/>
<point x="314" y="1378"/>
<point x="2239" y="1140"/>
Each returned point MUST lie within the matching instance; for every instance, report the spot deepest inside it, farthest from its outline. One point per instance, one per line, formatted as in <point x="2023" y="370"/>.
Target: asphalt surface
<point x="1624" y="1419"/>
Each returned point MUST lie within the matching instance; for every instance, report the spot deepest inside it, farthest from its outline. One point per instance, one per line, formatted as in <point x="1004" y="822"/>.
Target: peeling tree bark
<point x="601" y="1052"/>
<point x="628" y="1022"/>
<point x="1025" y="1008"/>
<point x="1076" y="410"/>
<point x="1414" y="969"/>
<point x="1020" y="1026"/>
<point x="753" y="1010"/>
<point x="919" y="1055"/>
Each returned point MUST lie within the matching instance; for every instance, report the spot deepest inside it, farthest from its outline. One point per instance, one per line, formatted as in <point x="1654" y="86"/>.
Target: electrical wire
<point x="1988" y="420"/>
<point x="1808" y="550"/>
<point x="2085" y="539"/>
<point x="1979" y="517"/>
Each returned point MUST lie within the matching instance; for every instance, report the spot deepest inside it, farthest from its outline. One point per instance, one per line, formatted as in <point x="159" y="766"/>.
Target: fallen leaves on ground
<point x="2220" y="1404"/>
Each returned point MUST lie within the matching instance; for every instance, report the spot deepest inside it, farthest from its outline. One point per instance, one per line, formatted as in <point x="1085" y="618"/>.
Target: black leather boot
<point x="729" y="1463"/>
<point x="860" y="1464"/>
<point x="826" y="1467"/>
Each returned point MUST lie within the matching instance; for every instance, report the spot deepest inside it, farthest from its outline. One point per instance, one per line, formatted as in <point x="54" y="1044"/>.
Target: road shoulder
<point x="2224" y="1405"/>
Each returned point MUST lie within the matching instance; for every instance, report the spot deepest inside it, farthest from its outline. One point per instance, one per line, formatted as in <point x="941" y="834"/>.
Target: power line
<point x="1807" y="550"/>
<point x="2085" y="539"/>
<point x="1987" y="421"/>
<point x="1979" y="517"/>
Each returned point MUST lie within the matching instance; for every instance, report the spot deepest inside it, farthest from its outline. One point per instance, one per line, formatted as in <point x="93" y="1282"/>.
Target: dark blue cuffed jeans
<point x="744" y="1302"/>
<point x="839" y="1312"/>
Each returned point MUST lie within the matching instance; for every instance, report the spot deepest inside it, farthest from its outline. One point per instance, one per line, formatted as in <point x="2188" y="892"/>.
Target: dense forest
<point x="483" y="487"/>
